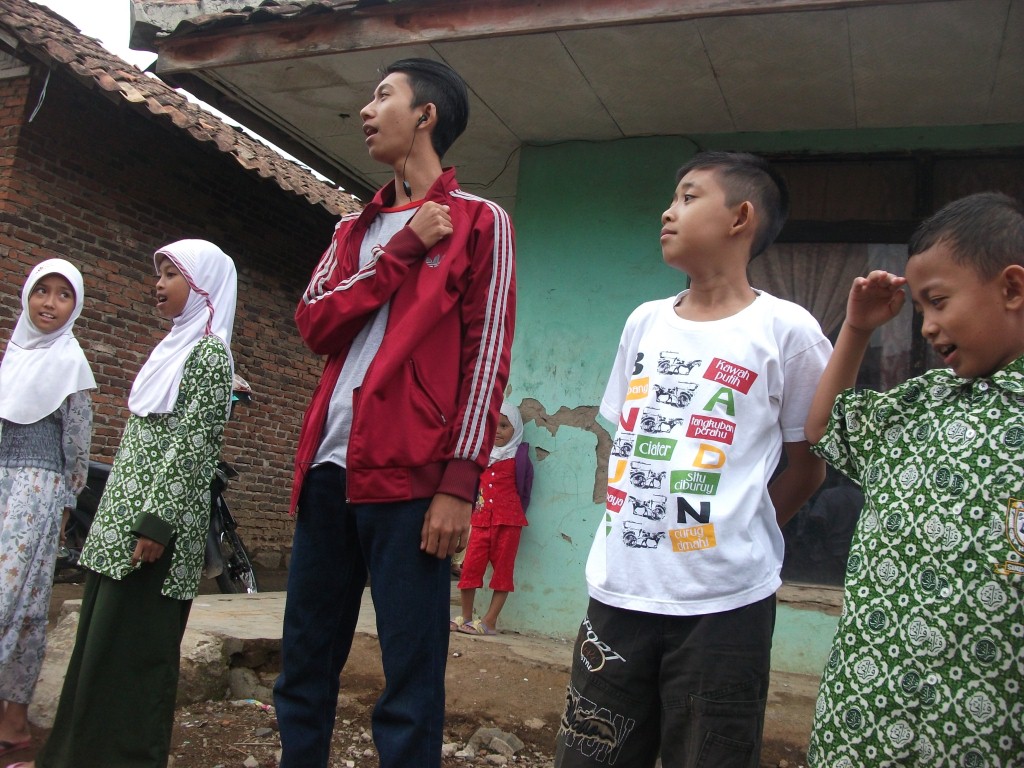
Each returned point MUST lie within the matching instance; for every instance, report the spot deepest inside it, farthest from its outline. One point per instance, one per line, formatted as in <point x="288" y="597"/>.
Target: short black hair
<point x="435" y="82"/>
<point x="744" y="177"/>
<point x="984" y="231"/>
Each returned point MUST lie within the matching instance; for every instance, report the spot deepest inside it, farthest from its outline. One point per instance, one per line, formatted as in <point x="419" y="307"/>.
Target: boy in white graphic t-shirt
<point x="710" y="388"/>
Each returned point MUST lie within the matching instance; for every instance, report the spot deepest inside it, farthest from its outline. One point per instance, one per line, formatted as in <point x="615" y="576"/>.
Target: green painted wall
<point x="587" y="221"/>
<point x="587" y="227"/>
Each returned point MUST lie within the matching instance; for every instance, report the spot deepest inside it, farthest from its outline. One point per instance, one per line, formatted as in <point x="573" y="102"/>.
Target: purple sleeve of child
<point x="524" y="474"/>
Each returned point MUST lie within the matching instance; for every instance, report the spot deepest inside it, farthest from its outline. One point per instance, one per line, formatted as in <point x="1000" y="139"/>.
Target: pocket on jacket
<point x="424" y="399"/>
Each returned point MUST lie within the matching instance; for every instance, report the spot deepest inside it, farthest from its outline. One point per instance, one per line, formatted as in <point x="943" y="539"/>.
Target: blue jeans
<point x="335" y="545"/>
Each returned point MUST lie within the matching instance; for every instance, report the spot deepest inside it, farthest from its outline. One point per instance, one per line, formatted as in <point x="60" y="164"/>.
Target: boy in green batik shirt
<point x="926" y="666"/>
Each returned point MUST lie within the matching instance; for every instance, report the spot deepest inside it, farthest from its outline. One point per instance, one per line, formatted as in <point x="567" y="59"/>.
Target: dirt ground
<point x="487" y="687"/>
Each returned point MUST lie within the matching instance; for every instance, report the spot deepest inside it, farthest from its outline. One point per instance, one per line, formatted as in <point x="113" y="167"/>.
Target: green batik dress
<point x="927" y="664"/>
<point x="117" y="704"/>
<point x="160" y="483"/>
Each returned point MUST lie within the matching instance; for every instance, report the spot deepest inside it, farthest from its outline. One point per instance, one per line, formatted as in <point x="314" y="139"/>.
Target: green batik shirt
<point x="160" y="484"/>
<point x="927" y="664"/>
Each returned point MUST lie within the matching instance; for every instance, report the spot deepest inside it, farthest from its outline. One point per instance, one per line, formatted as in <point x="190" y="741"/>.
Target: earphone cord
<point x="406" y="186"/>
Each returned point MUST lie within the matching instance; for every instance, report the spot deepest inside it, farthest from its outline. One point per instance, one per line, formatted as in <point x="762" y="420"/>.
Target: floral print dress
<point x="31" y="503"/>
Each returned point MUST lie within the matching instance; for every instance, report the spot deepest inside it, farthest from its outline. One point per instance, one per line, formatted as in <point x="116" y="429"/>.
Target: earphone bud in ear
<point x="423" y="119"/>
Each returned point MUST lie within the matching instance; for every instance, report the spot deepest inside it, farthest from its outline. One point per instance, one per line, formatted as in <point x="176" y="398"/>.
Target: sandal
<point x="477" y="628"/>
<point x="7" y="747"/>
<point x="454" y="625"/>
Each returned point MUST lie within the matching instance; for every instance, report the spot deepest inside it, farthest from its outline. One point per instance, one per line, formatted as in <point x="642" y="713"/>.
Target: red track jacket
<point x="425" y="416"/>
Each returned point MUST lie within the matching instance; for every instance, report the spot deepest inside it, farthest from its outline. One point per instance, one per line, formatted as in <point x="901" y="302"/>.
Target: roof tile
<point x="52" y="40"/>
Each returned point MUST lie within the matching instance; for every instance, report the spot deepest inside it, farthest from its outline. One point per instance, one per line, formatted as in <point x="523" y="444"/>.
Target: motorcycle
<point x="226" y="559"/>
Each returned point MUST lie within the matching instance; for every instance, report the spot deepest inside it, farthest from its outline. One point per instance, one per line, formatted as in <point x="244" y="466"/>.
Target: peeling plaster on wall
<point x="581" y="417"/>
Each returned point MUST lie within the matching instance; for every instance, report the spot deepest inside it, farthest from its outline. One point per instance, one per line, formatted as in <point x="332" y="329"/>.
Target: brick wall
<point x="13" y="97"/>
<point x="104" y="186"/>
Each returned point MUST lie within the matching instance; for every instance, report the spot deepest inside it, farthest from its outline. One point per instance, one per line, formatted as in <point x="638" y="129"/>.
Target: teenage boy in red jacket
<point x="413" y="303"/>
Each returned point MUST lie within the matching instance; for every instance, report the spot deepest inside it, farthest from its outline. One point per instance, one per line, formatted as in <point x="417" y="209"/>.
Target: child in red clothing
<point x="498" y="520"/>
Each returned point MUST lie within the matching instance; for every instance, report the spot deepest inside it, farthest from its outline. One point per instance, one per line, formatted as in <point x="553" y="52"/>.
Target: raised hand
<point x="875" y="300"/>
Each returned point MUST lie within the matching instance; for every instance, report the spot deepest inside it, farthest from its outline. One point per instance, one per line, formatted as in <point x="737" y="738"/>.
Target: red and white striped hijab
<point x="210" y="310"/>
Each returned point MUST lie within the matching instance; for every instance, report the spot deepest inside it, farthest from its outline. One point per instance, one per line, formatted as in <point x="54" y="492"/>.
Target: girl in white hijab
<point x="145" y="547"/>
<point x="209" y="311"/>
<point x="45" y="430"/>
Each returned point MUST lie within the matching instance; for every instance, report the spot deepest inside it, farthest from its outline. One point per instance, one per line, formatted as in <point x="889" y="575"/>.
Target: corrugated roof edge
<point x="154" y="19"/>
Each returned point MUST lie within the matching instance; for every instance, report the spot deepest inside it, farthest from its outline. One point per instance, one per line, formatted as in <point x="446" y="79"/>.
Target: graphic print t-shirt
<point x="703" y="410"/>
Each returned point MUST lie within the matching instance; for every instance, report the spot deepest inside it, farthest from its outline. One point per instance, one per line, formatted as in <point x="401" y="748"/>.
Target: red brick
<point x="103" y="186"/>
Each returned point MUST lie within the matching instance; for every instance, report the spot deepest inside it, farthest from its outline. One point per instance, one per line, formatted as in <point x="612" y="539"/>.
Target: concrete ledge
<point x="232" y="647"/>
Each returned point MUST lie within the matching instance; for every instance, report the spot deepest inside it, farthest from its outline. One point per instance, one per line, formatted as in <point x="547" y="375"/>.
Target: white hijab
<point x="508" y="450"/>
<point x="209" y="310"/>
<point x="40" y="370"/>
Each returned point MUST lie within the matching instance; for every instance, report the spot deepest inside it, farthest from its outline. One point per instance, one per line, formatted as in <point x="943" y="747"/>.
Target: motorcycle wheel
<point x="238" y="576"/>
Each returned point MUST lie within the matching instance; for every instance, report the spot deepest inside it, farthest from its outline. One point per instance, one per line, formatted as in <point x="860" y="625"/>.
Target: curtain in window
<point x="817" y="276"/>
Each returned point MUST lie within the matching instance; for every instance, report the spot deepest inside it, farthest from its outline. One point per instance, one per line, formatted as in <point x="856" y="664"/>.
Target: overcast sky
<point x="106" y="20"/>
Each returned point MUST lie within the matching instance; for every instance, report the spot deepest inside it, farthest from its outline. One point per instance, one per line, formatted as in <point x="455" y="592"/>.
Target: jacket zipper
<point x="422" y="386"/>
